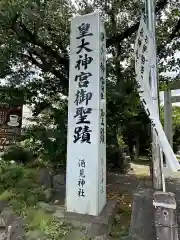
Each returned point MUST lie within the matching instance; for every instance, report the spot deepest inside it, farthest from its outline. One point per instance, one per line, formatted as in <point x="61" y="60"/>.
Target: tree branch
<point x="176" y="31"/>
<point x="46" y="67"/>
<point x="130" y="30"/>
<point x="175" y="34"/>
<point x="26" y="36"/>
<point x="31" y="59"/>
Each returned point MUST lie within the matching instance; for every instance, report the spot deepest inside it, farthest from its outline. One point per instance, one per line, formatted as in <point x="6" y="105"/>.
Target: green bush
<point x="19" y="188"/>
<point x="19" y="184"/>
<point x="19" y="154"/>
<point x="176" y="138"/>
<point x="10" y="175"/>
<point x="47" y="143"/>
<point x="49" y="227"/>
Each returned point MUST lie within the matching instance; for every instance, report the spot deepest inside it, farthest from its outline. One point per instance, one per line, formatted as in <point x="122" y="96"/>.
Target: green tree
<point x="34" y="48"/>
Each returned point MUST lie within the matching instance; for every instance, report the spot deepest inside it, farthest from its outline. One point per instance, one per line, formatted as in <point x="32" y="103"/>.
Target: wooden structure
<point x="168" y="100"/>
<point x="157" y="158"/>
<point x="165" y="204"/>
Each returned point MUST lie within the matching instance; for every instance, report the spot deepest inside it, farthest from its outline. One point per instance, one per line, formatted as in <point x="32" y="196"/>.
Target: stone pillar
<point x="86" y="148"/>
<point x="142" y="218"/>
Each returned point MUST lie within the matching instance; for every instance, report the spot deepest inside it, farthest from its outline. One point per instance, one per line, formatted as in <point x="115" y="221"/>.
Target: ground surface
<point x="121" y="187"/>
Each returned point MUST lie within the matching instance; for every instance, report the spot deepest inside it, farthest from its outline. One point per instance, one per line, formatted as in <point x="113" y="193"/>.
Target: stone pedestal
<point x="88" y="226"/>
<point x="142" y="218"/>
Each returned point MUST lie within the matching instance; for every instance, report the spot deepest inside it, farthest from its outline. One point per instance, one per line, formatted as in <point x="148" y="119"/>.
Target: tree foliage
<point x="34" y="48"/>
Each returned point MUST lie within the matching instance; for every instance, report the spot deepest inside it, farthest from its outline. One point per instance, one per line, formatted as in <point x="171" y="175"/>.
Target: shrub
<point x="10" y="175"/>
<point x="40" y="220"/>
<point x="18" y="154"/>
<point x="19" y="184"/>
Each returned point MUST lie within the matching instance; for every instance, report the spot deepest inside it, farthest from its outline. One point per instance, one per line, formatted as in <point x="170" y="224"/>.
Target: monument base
<point x="94" y="227"/>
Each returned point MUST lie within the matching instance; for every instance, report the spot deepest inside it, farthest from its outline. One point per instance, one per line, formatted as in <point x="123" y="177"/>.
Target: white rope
<point x="164" y="205"/>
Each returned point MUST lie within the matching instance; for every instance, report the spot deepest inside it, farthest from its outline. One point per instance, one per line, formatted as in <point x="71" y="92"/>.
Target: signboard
<point x="10" y="126"/>
<point x="143" y="55"/>
<point x="86" y="147"/>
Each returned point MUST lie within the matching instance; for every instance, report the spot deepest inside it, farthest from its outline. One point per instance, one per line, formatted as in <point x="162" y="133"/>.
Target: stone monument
<point x="86" y="148"/>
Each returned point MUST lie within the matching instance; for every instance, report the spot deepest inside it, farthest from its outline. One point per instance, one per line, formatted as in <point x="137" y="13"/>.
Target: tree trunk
<point x="137" y="147"/>
<point x="130" y="145"/>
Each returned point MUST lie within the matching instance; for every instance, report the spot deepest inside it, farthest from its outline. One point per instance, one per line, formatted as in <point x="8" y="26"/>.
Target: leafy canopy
<point x="34" y="48"/>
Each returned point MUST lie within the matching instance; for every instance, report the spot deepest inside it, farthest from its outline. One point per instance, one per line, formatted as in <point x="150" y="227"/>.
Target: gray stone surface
<point x="59" y="213"/>
<point x="59" y="187"/>
<point x="85" y="225"/>
<point x="15" y="227"/>
<point x="3" y="203"/>
<point x="7" y="215"/>
<point x="48" y="194"/>
<point x="173" y="185"/>
<point x="102" y="237"/>
<point x="142" y="218"/>
<point x="59" y="194"/>
<point x="45" y="177"/>
<point x="58" y="180"/>
<point x="127" y="238"/>
<point x="3" y="235"/>
<point x="47" y="207"/>
<point x="12" y="227"/>
<point x="17" y="231"/>
<point x="107" y="215"/>
<point x="95" y="226"/>
<point x="75" y="234"/>
<point x="34" y="235"/>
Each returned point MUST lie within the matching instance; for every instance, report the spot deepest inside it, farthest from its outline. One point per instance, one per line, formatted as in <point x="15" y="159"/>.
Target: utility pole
<point x="158" y="179"/>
